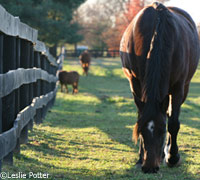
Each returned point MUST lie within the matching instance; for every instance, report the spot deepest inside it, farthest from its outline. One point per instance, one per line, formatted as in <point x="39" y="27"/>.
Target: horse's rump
<point x="159" y="53"/>
<point x="159" y="49"/>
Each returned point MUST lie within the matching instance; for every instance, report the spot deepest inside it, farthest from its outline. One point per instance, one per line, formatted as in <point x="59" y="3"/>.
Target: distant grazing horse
<point x="159" y="52"/>
<point x="85" y="60"/>
<point x="69" y="78"/>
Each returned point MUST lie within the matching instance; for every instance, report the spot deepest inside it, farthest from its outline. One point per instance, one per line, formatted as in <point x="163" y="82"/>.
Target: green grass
<point x="88" y="135"/>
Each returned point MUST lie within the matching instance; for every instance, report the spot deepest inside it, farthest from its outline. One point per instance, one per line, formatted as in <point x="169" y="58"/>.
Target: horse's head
<point x="151" y="129"/>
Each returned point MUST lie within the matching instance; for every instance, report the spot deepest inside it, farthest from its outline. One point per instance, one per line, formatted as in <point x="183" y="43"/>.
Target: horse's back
<point x="68" y="77"/>
<point x="180" y="40"/>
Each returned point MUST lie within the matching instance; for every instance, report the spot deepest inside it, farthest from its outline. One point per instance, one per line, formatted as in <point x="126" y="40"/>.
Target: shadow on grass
<point x="107" y="117"/>
<point x="62" y="172"/>
<point x="116" y="128"/>
<point x="190" y="114"/>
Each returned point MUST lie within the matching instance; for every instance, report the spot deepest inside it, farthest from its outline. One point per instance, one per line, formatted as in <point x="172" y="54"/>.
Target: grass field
<point x="88" y="135"/>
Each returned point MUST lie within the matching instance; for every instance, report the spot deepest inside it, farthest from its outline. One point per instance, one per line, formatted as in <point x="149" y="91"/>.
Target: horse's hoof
<point x="174" y="164"/>
<point x="138" y="165"/>
<point x="164" y="162"/>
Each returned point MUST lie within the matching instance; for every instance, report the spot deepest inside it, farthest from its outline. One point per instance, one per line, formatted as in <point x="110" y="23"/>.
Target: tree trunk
<point x="75" y="46"/>
<point x="75" y="50"/>
<point x="53" y="50"/>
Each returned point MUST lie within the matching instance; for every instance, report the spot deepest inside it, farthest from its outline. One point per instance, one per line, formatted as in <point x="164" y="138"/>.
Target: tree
<point x="104" y="21"/>
<point x="113" y="35"/>
<point x="94" y="23"/>
<point x="53" y="18"/>
<point x="129" y="9"/>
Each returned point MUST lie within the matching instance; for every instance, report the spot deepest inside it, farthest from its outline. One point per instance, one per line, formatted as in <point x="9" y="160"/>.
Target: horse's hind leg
<point x="172" y="155"/>
<point x="61" y="88"/>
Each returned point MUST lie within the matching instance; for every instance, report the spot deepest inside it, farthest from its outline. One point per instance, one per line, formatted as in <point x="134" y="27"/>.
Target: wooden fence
<point x="94" y="53"/>
<point x="27" y="83"/>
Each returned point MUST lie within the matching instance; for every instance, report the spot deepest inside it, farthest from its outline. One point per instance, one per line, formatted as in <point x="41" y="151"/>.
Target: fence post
<point x="1" y="72"/>
<point x="48" y="83"/>
<point x="31" y="96"/>
<point x="17" y="91"/>
<point x="24" y="90"/>
<point x="37" y="87"/>
<point x="31" y="65"/>
<point x="8" y="102"/>
<point x="44" y="84"/>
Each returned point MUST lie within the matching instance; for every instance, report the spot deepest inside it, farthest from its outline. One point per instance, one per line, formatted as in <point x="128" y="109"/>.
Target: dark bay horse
<point x="69" y="78"/>
<point x="85" y="60"/>
<point x="160" y="53"/>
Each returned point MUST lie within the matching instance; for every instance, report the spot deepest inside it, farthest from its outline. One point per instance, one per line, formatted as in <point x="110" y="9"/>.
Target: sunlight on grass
<point x="89" y="135"/>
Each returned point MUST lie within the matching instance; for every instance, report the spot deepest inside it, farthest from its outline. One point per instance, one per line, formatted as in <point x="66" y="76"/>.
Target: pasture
<point x="89" y="135"/>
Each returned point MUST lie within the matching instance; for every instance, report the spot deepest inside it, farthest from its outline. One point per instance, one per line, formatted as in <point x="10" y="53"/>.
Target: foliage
<point x="88" y="136"/>
<point x="94" y="23"/>
<point x="100" y="22"/>
<point x="53" y="18"/>
<point x="104" y="21"/>
<point x="114" y="35"/>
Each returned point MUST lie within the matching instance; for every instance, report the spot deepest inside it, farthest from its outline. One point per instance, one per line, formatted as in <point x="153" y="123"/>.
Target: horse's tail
<point x="157" y="64"/>
<point x="158" y="55"/>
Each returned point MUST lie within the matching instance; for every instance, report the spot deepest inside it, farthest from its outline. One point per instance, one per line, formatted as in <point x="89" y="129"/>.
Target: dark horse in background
<point x="85" y="59"/>
<point x="159" y="52"/>
<point x="68" y="78"/>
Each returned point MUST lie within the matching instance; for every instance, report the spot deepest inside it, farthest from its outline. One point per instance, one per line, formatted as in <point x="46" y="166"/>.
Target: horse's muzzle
<point x="150" y="170"/>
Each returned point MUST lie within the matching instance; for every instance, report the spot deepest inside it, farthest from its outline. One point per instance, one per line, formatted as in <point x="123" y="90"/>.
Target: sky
<point x="191" y="6"/>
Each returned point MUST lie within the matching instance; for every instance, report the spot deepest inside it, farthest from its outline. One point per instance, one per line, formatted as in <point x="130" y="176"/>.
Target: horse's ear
<point x="164" y="104"/>
<point x="139" y="103"/>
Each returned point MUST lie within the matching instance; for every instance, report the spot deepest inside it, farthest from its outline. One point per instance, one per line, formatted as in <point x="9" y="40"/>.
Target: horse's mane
<point x="156" y="76"/>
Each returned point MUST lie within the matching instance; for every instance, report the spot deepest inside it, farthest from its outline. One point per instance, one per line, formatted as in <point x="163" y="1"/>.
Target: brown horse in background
<point x="160" y="53"/>
<point x="85" y="60"/>
<point x="69" y="78"/>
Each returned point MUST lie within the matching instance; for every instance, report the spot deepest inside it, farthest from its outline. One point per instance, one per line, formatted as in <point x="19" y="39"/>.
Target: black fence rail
<point x="27" y="83"/>
<point x="94" y="53"/>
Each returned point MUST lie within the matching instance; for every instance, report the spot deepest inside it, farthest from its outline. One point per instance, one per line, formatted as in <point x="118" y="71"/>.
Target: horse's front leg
<point x="141" y="155"/>
<point x="171" y="149"/>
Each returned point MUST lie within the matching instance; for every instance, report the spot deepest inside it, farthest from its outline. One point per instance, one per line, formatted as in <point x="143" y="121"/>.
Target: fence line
<point x="15" y="78"/>
<point x="94" y="53"/>
<point x="27" y="83"/>
<point x="12" y="26"/>
<point x="8" y="140"/>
